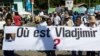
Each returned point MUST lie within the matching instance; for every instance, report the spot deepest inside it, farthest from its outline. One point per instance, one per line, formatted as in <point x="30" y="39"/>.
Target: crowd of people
<point x="70" y="19"/>
<point x="61" y="17"/>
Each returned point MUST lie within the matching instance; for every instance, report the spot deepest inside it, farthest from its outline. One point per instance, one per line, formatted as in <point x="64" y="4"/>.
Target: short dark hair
<point x="78" y="17"/>
<point x="48" y="20"/>
<point x="8" y="18"/>
<point x="16" y="13"/>
<point x="9" y="15"/>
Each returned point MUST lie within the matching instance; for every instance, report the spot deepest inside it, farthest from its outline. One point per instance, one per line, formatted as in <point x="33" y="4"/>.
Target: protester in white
<point x="84" y="19"/>
<point x="92" y="23"/>
<point x="50" y="52"/>
<point x="43" y="22"/>
<point x="66" y="15"/>
<point x="56" y="19"/>
<point x="1" y="15"/>
<point x="8" y="22"/>
<point x="78" y="23"/>
<point x="51" y="17"/>
<point x="1" y="24"/>
<point x="98" y="18"/>
<point x="41" y="13"/>
<point x="63" y="15"/>
<point x="58" y="9"/>
<point x="70" y="22"/>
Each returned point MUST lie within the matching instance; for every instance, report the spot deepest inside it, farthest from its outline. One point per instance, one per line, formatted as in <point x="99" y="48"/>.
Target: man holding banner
<point x="92" y="23"/>
<point x="78" y="23"/>
<point x="50" y="52"/>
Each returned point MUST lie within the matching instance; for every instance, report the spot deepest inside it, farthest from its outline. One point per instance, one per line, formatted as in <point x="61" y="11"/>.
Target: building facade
<point x="18" y="5"/>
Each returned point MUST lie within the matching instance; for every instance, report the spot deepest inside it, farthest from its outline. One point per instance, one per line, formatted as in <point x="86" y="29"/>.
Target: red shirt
<point x="17" y="20"/>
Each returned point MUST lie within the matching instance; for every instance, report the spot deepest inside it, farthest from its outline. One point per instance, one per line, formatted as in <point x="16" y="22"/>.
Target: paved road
<point x="35" y="53"/>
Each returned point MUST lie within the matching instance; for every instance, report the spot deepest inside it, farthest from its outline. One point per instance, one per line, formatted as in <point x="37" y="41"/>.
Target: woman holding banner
<point x="8" y="21"/>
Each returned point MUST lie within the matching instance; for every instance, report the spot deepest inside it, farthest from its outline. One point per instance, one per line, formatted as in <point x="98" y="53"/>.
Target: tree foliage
<point x="92" y="2"/>
<point x="53" y="3"/>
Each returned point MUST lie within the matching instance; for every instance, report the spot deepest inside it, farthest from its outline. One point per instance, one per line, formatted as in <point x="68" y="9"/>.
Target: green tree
<point x="41" y="4"/>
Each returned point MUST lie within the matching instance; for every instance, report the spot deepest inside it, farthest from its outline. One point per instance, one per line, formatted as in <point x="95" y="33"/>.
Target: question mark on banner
<point x="56" y="42"/>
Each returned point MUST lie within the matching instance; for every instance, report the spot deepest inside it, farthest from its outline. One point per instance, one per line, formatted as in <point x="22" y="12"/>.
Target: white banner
<point x="51" y="38"/>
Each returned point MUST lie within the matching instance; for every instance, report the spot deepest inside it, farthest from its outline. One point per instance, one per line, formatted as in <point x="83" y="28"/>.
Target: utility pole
<point x="48" y="3"/>
<point x="32" y="1"/>
<point x="89" y="3"/>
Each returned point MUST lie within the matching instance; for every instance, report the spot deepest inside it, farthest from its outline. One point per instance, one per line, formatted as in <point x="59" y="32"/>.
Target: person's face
<point x="37" y="22"/>
<point x="49" y="22"/>
<point x="54" y="15"/>
<point x="67" y="15"/>
<point x="92" y="24"/>
<point x="8" y="22"/>
<point x="78" y="22"/>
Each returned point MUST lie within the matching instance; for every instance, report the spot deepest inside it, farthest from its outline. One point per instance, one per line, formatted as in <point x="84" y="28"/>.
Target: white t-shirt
<point x="82" y="25"/>
<point x="84" y="19"/>
<point x="43" y="23"/>
<point x="57" y="20"/>
<point x="1" y="24"/>
<point x="70" y="23"/>
<point x="41" y="13"/>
